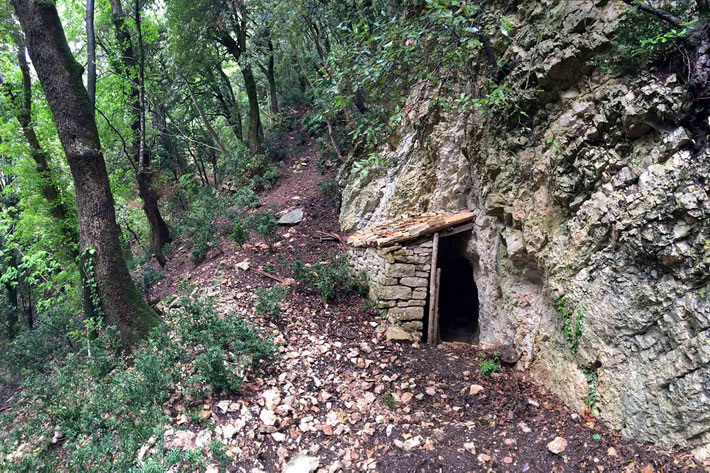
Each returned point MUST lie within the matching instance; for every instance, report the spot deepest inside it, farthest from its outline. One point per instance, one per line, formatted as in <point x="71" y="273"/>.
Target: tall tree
<point x="61" y="78"/>
<point x="238" y="18"/>
<point x="140" y="154"/>
<point x="270" y="72"/>
<point x="22" y="108"/>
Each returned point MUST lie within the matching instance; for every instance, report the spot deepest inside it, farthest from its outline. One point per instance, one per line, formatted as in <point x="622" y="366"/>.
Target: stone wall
<point x="398" y="277"/>
<point x="589" y="201"/>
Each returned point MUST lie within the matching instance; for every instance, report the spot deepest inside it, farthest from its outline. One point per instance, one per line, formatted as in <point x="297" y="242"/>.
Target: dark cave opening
<point x="458" y="294"/>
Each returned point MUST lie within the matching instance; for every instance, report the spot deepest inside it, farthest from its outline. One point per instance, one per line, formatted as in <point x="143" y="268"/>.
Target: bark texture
<point x="61" y="79"/>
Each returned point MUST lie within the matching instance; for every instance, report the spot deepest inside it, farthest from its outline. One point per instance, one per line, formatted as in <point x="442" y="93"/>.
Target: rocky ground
<point x="343" y="398"/>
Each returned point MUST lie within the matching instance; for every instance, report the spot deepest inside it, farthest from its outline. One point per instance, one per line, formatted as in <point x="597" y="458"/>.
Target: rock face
<point x="583" y="200"/>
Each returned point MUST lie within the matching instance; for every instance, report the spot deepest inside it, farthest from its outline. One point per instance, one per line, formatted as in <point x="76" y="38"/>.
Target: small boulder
<point x="294" y="217"/>
<point x="557" y="446"/>
<point x="396" y="333"/>
<point x="244" y="265"/>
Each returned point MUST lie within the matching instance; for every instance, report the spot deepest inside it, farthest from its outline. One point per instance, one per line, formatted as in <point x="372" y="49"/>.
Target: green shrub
<point x="108" y="405"/>
<point x="230" y="347"/>
<point x="268" y="301"/>
<point x="246" y="198"/>
<point x="329" y="277"/>
<point x="640" y="38"/>
<point x="199" y="223"/>
<point x="266" y="224"/>
<point x="487" y="365"/>
<point x="592" y="388"/>
<point x="31" y="349"/>
<point x="151" y="277"/>
<point x="240" y="230"/>
<point x="389" y="400"/>
<point x="294" y="96"/>
<point x="254" y="171"/>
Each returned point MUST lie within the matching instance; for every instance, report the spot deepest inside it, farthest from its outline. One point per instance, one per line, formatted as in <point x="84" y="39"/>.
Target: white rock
<point x="271" y="399"/>
<point x="292" y="218"/>
<point x="268" y="417"/>
<point x="228" y="431"/>
<point x="223" y="406"/>
<point x="409" y="444"/>
<point x="396" y="333"/>
<point x="183" y="439"/>
<point x="244" y="265"/>
<point x="302" y="464"/>
<point x="475" y="389"/>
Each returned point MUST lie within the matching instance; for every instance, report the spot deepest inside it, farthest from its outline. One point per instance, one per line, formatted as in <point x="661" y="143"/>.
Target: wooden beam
<point x="432" y="336"/>
<point x="463" y="228"/>
<point x="408" y="229"/>
<point x="437" y="335"/>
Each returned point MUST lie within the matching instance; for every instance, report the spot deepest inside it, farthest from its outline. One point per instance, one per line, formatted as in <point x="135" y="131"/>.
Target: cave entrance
<point x="456" y="294"/>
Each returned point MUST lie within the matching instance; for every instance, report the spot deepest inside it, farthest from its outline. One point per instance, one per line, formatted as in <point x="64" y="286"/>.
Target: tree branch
<point x="123" y="142"/>
<point x="662" y="14"/>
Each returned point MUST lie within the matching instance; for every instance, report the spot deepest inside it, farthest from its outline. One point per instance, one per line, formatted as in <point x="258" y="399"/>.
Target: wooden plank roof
<point x="399" y="231"/>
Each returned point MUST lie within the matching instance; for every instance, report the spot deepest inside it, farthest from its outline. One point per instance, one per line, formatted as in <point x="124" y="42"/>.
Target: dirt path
<point x="343" y="398"/>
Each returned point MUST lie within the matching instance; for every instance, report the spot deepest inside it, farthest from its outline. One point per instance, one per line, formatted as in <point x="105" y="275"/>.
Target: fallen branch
<point x="662" y="14"/>
<point x="267" y="275"/>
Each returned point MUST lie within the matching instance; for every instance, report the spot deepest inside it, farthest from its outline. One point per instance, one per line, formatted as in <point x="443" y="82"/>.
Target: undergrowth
<point x="328" y="277"/>
<point x="640" y="39"/>
<point x="488" y="365"/>
<point x="100" y="406"/>
<point x="268" y="300"/>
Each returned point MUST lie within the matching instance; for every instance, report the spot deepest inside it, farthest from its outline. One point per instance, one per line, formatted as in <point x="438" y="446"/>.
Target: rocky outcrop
<point x="591" y="197"/>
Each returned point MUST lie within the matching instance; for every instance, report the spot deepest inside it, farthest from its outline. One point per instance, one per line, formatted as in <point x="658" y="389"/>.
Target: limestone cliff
<point x="593" y="197"/>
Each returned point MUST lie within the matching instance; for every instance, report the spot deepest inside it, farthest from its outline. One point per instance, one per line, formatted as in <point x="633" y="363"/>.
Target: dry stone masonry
<point x="396" y="259"/>
<point x="398" y="277"/>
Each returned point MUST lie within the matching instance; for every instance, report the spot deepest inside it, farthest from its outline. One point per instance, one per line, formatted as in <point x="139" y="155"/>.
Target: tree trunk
<point x="61" y="79"/>
<point x="160" y="234"/>
<point x="271" y="78"/>
<point x="12" y="299"/>
<point x="90" y="52"/>
<point x="141" y="155"/>
<point x="236" y="48"/>
<point x="254" y="118"/>
<point x="205" y="120"/>
<point x="230" y="108"/>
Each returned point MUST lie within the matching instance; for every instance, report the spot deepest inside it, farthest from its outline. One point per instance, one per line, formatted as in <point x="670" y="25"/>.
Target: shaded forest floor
<point x="342" y="398"/>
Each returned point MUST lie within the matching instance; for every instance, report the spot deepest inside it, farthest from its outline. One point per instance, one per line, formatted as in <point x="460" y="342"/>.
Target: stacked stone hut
<point x="398" y="259"/>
